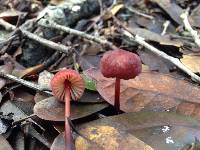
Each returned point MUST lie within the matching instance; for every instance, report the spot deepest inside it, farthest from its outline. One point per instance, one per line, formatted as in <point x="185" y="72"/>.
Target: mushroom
<point x="120" y="64"/>
<point x="67" y="84"/>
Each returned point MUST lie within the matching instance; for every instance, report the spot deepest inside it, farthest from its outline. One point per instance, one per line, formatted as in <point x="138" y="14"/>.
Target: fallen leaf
<point x="19" y="141"/>
<point x="103" y="138"/>
<point x="40" y="96"/>
<point x="21" y="110"/>
<point x="9" y="59"/>
<point x="32" y="132"/>
<point x="11" y="15"/>
<point x="152" y="36"/>
<point x="160" y="130"/>
<point x="87" y="61"/>
<point x="155" y="62"/>
<point x="114" y="10"/>
<point x="194" y="18"/>
<point x="58" y="143"/>
<point x="4" y="144"/>
<point x="28" y="71"/>
<point x="18" y="109"/>
<point x="191" y="62"/>
<point x="189" y="109"/>
<point x="91" y="49"/>
<point x="89" y="83"/>
<point x="171" y="8"/>
<point x="109" y="138"/>
<point x="147" y="92"/>
<point x="44" y="79"/>
<point x="21" y="94"/>
<point x="51" y="109"/>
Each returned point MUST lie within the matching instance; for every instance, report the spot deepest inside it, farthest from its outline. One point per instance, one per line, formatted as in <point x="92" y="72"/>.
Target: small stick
<point x="139" y="13"/>
<point x="60" y="47"/>
<point x="24" y="82"/>
<point x="23" y="119"/>
<point x="188" y="27"/>
<point x="141" y="41"/>
<point x="52" y="24"/>
<point x="165" y="26"/>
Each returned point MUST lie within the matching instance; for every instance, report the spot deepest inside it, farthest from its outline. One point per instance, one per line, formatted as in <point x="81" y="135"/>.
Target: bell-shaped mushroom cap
<point x="73" y="80"/>
<point x="120" y="64"/>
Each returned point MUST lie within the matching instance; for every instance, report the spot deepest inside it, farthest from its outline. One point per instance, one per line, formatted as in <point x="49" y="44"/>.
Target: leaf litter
<point x="148" y="91"/>
<point x="151" y="91"/>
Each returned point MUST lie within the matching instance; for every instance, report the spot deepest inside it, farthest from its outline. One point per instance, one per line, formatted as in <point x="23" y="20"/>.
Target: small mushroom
<point x="120" y="64"/>
<point x="67" y="84"/>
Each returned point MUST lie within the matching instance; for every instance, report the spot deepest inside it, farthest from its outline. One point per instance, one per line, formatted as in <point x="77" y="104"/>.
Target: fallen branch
<point x="25" y="83"/>
<point x="53" y="25"/>
<point x="60" y="47"/>
<point x="141" y="41"/>
<point x="188" y="27"/>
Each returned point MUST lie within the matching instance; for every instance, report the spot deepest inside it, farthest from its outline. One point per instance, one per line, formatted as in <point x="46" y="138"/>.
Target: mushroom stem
<point x="68" y="134"/>
<point x="117" y="95"/>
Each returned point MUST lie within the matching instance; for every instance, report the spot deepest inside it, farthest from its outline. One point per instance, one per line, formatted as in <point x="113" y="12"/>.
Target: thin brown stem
<point x="117" y="95"/>
<point x="68" y="134"/>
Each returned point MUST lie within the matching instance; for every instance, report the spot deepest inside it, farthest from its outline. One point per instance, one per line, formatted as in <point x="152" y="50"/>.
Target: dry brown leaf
<point x="103" y="138"/>
<point x="189" y="109"/>
<point x="153" y="128"/>
<point x="29" y="71"/>
<point x="194" y="18"/>
<point x="171" y="8"/>
<point x="152" y="36"/>
<point x="191" y="62"/>
<point x="155" y="62"/>
<point x="10" y="14"/>
<point x="109" y="138"/>
<point x="40" y="96"/>
<point x="126" y="130"/>
<point x="114" y="10"/>
<point x="21" y="94"/>
<point x="58" y="144"/>
<point x="51" y="109"/>
<point x="4" y="144"/>
<point x="148" y="92"/>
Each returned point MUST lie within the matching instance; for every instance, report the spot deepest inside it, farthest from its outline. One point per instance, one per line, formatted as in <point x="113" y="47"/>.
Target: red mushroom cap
<point x="120" y="64"/>
<point x="74" y="81"/>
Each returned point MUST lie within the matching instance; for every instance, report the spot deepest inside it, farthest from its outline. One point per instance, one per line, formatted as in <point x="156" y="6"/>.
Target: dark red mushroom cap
<point x="70" y="77"/>
<point x="120" y="64"/>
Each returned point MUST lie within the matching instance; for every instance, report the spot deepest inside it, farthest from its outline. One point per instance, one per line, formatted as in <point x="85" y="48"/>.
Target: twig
<point x="53" y="25"/>
<point x="24" y="82"/>
<point x="141" y="41"/>
<point x="139" y="13"/>
<point x="60" y="47"/>
<point x="23" y="119"/>
<point x="165" y="26"/>
<point x="188" y="27"/>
